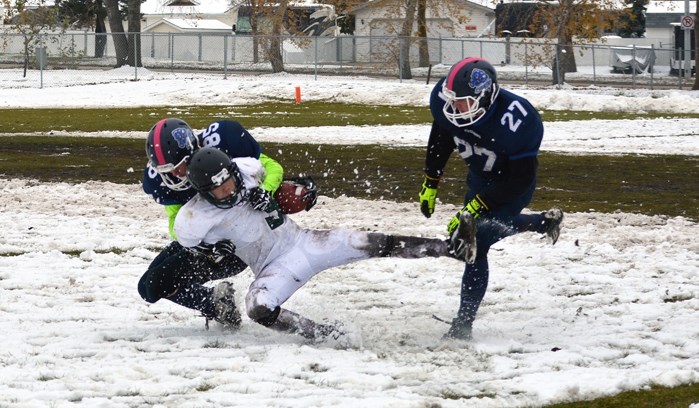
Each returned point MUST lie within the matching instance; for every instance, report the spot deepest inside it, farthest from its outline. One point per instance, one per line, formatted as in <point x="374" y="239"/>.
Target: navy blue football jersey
<point x="500" y="149"/>
<point x="512" y="129"/>
<point x="226" y="135"/>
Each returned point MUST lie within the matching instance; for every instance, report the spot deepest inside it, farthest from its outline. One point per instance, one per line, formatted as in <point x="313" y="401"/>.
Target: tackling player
<point x="179" y="274"/>
<point x="282" y="256"/>
<point x="498" y="135"/>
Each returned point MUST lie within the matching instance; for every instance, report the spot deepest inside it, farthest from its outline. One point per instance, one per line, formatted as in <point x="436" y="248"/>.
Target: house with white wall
<point x="180" y="16"/>
<point x="663" y="16"/>
<point x="448" y="18"/>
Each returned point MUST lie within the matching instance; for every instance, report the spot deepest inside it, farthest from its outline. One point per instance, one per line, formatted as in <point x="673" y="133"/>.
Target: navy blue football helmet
<point x="170" y="143"/>
<point x="472" y="80"/>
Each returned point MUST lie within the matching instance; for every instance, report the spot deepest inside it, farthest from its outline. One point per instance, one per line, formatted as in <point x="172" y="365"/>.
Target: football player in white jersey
<point x="282" y="255"/>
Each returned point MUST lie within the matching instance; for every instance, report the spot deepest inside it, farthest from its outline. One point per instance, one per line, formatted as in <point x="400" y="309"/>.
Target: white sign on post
<point x="687" y="22"/>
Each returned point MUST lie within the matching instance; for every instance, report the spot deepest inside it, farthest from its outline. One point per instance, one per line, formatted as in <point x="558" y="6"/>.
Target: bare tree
<point x="30" y="23"/>
<point x="274" y="52"/>
<point x="125" y="48"/>
<point x="421" y="33"/>
<point x="566" y="23"/>
<point x="116" y="26"/>
<point x="404" y="37"/>
<point x="267" y="17"/>
<point x="134" y="27"/>
<point x="400" y="22"/>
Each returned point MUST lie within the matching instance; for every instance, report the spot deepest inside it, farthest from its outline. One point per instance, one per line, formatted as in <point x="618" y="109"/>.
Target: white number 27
<point x="509" y="117"/>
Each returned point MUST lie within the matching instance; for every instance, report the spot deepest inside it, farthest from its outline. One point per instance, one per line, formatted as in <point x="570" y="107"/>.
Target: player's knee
<point x="264" y="315"/>
<point x="144" y="289"/>
<point x="155" y="285"/>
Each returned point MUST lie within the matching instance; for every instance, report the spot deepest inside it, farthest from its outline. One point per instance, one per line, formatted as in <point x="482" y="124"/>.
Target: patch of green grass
<point x="277" y="114"/>
<point x="629" y="183"/>
<point x="656" y="397"/>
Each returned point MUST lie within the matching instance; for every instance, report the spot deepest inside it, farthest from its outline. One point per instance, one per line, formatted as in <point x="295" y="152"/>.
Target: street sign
<point x="687" y="22"/>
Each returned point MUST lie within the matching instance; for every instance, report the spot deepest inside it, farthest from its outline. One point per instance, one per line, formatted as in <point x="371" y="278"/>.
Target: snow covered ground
<point x="613" y="306"/>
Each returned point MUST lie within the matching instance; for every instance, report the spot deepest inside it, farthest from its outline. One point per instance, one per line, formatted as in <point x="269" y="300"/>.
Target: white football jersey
<point x="259" y="237"/>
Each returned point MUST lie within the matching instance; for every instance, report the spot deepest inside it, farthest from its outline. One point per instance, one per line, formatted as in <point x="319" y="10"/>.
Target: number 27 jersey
<point x="512" y="129"/>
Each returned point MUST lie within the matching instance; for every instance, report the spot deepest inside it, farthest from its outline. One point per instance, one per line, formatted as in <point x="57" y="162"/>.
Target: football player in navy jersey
<point x="179" y="274"/>
<point x="498" y="134"/>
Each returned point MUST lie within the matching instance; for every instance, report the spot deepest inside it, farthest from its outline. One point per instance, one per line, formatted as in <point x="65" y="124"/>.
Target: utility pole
<point x="688" y="44"/>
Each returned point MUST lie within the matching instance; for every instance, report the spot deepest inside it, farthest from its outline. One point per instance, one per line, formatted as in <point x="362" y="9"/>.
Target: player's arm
<point x="171" y="211"/>
<point x="439" y="148"/>
<point x="440" y="145"/>
<point x="274" y="173"/>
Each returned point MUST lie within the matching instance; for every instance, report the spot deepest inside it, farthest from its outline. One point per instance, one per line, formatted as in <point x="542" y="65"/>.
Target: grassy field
<point x="313" y="113"/>
<point x="629" y="183"/>
<point x="665" y="185"/>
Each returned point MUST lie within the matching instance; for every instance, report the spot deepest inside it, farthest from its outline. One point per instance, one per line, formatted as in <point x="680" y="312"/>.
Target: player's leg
<point x="547" y="222"/>
<point x="474" y="284"/>
<point x="271" y="289"/>
<point x="178" y="275"/>
<point x="474" y="281"/>
<point x="402" y="246"/>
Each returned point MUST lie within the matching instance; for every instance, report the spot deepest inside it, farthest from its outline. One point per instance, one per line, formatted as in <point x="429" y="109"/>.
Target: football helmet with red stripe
<point x="170" y="144"/>
<point x="472" y="85"/>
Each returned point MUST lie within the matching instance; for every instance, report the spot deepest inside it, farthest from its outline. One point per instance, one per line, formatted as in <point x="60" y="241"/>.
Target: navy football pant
<point x="179" y="275"/>
<point x="489" y="231"/>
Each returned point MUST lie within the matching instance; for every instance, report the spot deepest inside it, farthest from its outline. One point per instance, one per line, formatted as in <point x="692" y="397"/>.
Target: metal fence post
<point x="526" y="63"/>
<point x="558" y="68"/>
<point x="45" y="56"/>
<point x="225" y="56"/>
<point x="136" y="53"/>
<point x="650" y="68"/>
<point x="200" y="44"/>
<point x="633" y="66"/>
<point x="400" y="59"/>
<point x="172" y="52"/>
<point x="594" y="66"/>
<point x="315" y="57"/>
<point x="680" y="68"/>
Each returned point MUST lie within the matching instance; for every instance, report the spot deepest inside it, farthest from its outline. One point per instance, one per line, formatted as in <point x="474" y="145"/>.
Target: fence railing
<point x="42" y="61"/>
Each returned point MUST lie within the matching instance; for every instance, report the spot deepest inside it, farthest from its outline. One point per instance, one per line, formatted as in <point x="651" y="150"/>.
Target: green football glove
<point x="428" y="195"/>
<point x="475" y="207"/>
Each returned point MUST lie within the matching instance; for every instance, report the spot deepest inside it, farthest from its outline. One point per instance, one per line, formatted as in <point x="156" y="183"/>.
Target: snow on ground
<point x="613" y="306"/>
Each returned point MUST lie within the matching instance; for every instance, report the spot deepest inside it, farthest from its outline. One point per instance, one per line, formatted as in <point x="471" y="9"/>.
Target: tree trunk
<point x="134" y="25"/>
<point x="100" y="30"/>
<point x="275" y="42"/>
<point x="422" y="33"/>
<point x="255" y="35"/>
<point x="404" y="41"/>
<point x="121" y="44"/>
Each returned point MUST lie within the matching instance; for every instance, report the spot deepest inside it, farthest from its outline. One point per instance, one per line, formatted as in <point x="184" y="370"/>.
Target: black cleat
<point x="462" y="243"/>
<point x="460" y="329"/>
<point x="552" y="221"/>
<point x="227" y="312"/>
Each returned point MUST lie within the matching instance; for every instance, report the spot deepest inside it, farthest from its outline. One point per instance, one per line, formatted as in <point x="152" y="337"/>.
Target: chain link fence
<point x="62" y="59"/>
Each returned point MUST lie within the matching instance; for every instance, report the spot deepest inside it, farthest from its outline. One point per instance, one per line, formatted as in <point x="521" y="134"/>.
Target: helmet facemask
<point x="473" y="81"/>
<point x="211" y="168"/>
<point x="170" y="144"/>
<point x="172" y="181"/>
<point x="236" y="196"/>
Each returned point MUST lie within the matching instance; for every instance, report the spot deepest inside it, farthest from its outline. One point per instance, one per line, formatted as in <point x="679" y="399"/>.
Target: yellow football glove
<point x="428" y="195"/>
